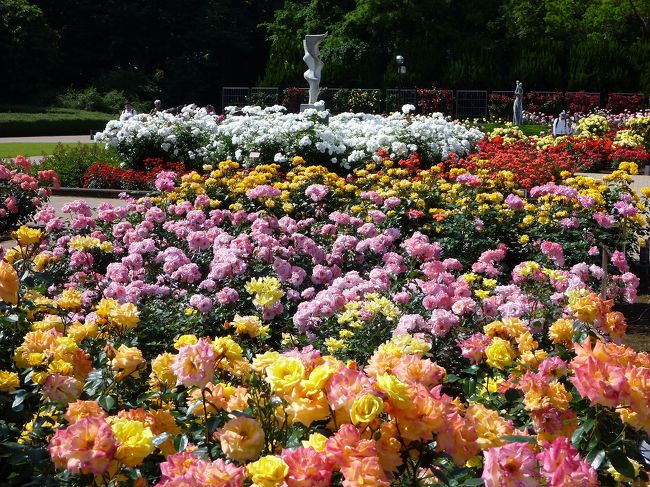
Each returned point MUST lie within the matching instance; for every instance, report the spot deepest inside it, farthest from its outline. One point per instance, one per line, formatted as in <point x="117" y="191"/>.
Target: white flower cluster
<point x="346" y="139"/>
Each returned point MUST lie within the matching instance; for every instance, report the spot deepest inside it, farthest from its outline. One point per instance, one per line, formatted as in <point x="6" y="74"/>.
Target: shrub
<point x="61" y="121"/>
<point x="20" y="194"/>
<point x="547" y="103"/>
<point x="618" y="103"/>
<point x="435" y="100"/>
<point x="500" y="106"/>
<point x="364" y="101"/>
<point x="263" y="98"/>
<point x="106" y="176"/>
<point x="292" y="97"/>
<point x="581" y="102"/>
<point x="72" y="162"/>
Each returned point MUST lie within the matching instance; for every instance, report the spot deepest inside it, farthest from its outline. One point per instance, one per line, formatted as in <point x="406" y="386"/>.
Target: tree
<point x="28" y="51"/>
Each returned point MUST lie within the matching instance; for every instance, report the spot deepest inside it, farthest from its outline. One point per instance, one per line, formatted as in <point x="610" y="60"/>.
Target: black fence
<point x="464" y="103"/>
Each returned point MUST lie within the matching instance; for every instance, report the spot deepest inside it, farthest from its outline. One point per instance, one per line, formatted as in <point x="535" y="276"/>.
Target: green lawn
<point x="27" y="149"/>
<point x="526" y="129"/>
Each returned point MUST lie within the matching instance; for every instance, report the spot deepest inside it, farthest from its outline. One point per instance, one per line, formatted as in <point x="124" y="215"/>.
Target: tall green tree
<point x="28" y="50"/>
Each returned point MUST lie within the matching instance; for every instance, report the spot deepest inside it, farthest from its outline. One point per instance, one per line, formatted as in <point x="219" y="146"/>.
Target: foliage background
<point x="145" y="49"/>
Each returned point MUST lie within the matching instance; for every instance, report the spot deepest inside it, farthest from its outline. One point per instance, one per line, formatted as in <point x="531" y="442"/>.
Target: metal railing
<point x="471" y="103"/>
<point x="234" y="96"/>
<point x="467" y="103"/>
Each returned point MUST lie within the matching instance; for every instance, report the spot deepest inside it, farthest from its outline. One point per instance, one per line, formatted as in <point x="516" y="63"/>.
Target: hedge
<point x="52" y="122"/>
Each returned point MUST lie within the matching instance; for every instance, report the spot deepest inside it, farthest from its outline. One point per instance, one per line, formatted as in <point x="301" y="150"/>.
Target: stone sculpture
<point x="314" y="64"/>
<point x="517" y="107"/>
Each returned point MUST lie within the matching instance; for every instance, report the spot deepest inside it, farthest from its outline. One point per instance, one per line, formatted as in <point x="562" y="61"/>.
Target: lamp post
<point x="401" y="71"/>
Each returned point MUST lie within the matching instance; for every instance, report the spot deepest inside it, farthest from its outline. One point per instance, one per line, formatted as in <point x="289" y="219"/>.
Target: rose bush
<point x="20" y="193"/>
<point x="397" y="327"/>
<point x="341" y="141"/>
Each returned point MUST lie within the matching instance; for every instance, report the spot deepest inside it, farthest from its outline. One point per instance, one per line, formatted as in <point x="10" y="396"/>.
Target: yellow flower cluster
<point x="82" y="243"/>
<point x="593" y="126"/>
<point x="509" y="133"/>
<point x="266" y="291"/>
<point x="628" y="139"/>
<point x="28" y="236"/>
<point x="120" y="317"/>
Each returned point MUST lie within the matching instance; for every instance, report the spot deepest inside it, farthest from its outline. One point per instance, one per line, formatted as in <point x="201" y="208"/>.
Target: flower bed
<point x="20" y="194"/>
<point x="300" y="328"/>
<point x="107" y="176"/>
<point x="343" y="140"/>
<point x="535" y="160"/>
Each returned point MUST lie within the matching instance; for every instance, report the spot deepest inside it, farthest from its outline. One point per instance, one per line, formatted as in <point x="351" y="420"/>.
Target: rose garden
<point x="359" y="300"/>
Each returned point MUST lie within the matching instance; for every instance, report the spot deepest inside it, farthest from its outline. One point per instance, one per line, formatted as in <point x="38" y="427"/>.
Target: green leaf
<point x="17" y="405"/>
<point x="576" y="438"/>
<point x="107" y="402"/>
<point x="161" y="438"/>
<point x="621" y="463"/>
<point x="596" y="458"/>
<point x="450" y="378"/>
<point x="520" y="439"/>
<point x="473" y="482"/>
<point x="180" y="443"/>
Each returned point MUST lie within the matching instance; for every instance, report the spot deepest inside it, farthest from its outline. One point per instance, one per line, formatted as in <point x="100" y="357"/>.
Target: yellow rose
<point x="135" y="441"/>
<point x="9" y="283"/>
<point x="241" y="438"/>
<point x="561" y="332"/>
<point x="366" y="408"/>
<point x="285" y="373"/>
<point x="28" y="236"/>
<point x="395" y="389"/>
<point x="69" y="299"/>
<point x="185" y="340"/>
<point x="316" y="441"/>
<point x="161" y="369"/>
<point x="262" y="361"/>
<point x="9" y="381"/>
<point x="128" y="361"/>
<point x="499" y="353"/>
<point x="268" y="471"/>
<point x="81" y="331"/>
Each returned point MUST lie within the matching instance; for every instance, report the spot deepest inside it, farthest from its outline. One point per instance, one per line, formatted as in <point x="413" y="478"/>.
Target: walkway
<point x="59" y="201"/>
<point x="640" y="181"/>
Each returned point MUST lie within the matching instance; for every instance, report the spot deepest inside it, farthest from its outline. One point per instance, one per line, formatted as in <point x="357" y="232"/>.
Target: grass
<point x="28" y="149"/>
<point x="526" y="129"/>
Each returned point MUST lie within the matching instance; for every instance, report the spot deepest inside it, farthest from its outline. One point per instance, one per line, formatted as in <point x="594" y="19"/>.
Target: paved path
<point x="59" y="201"/>
<point x="640" y="181"/>
<point x="48" y="138"/>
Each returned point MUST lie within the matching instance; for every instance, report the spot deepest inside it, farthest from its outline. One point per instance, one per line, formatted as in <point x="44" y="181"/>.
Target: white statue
<point x="517" y="107"/>
<point x="314" y="64"/>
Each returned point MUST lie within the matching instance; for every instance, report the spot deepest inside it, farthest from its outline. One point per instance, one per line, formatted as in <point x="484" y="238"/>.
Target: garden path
<point x="59" y="201"/>
<point x="638" y="182"/>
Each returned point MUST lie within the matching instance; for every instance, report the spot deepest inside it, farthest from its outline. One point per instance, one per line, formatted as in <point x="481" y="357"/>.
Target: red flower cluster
<point x="432" y="100"/>
<point x="532" y="166"/>
<point x="619" y="103"/>
<point x="101" y="175"/>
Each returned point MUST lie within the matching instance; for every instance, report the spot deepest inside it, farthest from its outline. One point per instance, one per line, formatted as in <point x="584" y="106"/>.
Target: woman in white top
<point x="128" y="112"/>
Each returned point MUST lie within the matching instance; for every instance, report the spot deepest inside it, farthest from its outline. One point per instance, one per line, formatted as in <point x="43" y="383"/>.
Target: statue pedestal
<point x="307" y="106"/>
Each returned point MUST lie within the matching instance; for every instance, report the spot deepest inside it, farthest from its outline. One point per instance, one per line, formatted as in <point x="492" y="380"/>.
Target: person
<point x="562" y="125"/>
<point x="157" y="107"/>
<point x="128" y="111"/>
